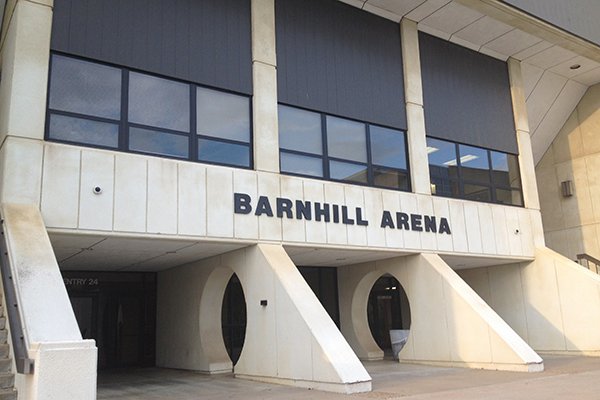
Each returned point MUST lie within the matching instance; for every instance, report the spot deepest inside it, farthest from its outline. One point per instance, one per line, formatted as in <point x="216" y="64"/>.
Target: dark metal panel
<point x="337" y="59"/>
<point x="579" y="17"/>
<point x="206" y="41"/>
<point x="466" y="95"/>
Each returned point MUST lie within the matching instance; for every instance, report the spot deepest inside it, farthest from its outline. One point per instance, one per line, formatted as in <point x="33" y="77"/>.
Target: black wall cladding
<point x="337" y="59"/>
<point x="206" y="42"/>
<point x="467" y="96"/>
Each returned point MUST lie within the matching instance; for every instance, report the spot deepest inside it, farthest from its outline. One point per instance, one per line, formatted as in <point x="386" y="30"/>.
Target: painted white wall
<point x="553" y="303"/>
<point x="60" y="178"/>
<point x="290" y="341"/>
<point x="65" y="364"/>
<point x="450" y="324"/>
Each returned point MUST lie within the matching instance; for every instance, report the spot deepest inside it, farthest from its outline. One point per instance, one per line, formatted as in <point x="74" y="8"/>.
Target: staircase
<point x="7" y="377"/>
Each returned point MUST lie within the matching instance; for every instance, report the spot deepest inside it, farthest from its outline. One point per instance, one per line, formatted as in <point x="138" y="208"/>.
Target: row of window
<point x="116" y="108"/>
<point x="324" y="146"/>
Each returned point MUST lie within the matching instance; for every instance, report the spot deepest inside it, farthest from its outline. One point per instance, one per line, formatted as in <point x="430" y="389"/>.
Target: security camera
<point x="97" y="190"/>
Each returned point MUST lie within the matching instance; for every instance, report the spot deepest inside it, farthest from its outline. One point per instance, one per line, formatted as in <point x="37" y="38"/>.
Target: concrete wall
<point x="148" y="195"/>
<point x="450" y="324"/>
<point x="292" y="340"/>
<point x="572" y="224"/>
<point x="552" y="303"/>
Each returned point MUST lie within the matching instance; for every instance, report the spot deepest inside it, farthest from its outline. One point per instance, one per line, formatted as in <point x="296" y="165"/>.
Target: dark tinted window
<point x="473" y="173"/>
<point x="105" y="106"/>
<point x="341" y="149"/>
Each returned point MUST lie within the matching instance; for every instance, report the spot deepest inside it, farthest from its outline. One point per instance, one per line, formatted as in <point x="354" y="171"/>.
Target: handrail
<point x="589" y="260"/>
<point x="23" y="362"/>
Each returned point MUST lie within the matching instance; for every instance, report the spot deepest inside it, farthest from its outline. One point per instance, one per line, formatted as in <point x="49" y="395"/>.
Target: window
<point x="104" y="106"/>
<point x="324" y="146"/>
<point x="473" y="173"/>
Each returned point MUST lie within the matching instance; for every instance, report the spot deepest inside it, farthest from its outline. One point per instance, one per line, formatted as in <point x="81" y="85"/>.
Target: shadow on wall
<point x="572" y="223"/>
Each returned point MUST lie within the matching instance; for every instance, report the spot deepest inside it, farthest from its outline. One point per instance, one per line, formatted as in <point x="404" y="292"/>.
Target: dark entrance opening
<point x="118" y="311"/>
<point x="233" y="319"/>
<point x="387" y="310"/>
<point x="323" y="282"/>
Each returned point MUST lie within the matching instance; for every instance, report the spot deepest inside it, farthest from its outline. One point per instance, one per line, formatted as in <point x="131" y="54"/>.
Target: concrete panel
<point x="409" y="205"/>
<point x="457" y="224"/>
<point x="245" y="225"/>
<point x="316" y="232"/>
<point x="394" y="238"/>
<point x="500" y="230"/>
<point x="219" y="202"/>
<point x="131" y="182"/>
<point x="374" y="209"/>
<point x="292" y="229"/>
<point x="514" y="231"/>
<point x="269" y="228"/>
<point x="488" y="237"/>
<point x="473" y="228"/>
<point x="21" y="171"/>
<point x="354" y="198"/>
<point x="96" y="209"/>
<point x="264" y="118"/>
<point x="428" y="239"/>
<point x="60" y="197"/>
<point x="191" y="199"/>
<point x="162" y="196"/>
<point x="442" y="209"/>
<point x="336" y="232"/>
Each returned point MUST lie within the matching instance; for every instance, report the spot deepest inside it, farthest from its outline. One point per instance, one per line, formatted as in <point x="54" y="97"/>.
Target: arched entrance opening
<point x="388" y="313"/>
<point x="233" y="318"/>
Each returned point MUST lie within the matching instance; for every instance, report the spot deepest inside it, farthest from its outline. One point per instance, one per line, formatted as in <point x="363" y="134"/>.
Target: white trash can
<point x="398" y="337"/>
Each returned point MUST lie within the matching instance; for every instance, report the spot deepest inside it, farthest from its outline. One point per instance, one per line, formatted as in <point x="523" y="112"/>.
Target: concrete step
<point x="5" y="365"/>
<point x="2" y="323"/>
<point x="3" y="335"/>
<point x="4" y="350"/>
<point x="7" y="380"/>
<point x="8" y="394"/>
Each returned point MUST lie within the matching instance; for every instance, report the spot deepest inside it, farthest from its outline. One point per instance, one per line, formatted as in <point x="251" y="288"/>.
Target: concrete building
<point x="269" y="187"/>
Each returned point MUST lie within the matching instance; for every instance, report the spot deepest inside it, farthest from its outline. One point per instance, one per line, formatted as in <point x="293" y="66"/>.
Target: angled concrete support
<point x="291" y="340"/>
<point x="552" y="302"/>
<point x="64" y="363"/>
<point x="450" y="324"/>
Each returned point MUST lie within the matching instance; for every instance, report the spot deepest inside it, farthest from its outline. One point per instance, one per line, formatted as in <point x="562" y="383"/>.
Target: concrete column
<point x="25" y="56"/>
<point x="526" y="161"/>
<point x="450" y="324"/>
<point x="415" y="116"/>
<point x="264" y="76"/>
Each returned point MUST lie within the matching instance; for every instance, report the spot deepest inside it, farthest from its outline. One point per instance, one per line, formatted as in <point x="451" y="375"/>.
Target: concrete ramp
<point x="64" y="364"/>
<point x="451" y="325"/>
<point x="290" y="338"/>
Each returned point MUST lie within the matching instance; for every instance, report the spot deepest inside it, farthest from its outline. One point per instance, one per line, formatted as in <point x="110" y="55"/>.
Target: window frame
<point x="491" y="186"/>
<point x="325" y="158"/>
<point x="124" y="124"/>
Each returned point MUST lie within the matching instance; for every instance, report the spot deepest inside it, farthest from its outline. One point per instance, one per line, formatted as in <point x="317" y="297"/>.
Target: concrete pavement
<point x="565" y="377"/>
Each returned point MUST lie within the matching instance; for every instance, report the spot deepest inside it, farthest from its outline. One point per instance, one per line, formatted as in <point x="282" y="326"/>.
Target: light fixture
<point x="464" y="159"/>
<point x="431" y="149"/>
<point x="566" y="188"/>
<point x="575" y="66"/>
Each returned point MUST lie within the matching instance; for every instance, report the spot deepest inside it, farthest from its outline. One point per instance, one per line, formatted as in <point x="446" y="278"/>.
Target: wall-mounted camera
<point x="97" y="190"/>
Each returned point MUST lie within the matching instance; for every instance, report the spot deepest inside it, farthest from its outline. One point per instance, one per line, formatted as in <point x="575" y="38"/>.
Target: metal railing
<point x="591" y="263"/>
<point x="23" y="363"/>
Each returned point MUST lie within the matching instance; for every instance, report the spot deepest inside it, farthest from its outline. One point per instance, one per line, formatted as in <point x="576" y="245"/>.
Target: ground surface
<point x="564" y="378"/>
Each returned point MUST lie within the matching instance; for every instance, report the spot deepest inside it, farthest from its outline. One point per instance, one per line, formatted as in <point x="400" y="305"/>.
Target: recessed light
<point x="575" y="66"/>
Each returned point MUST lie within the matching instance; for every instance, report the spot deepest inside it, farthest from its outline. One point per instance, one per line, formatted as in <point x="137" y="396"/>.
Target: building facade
<point x="278" y="188"/>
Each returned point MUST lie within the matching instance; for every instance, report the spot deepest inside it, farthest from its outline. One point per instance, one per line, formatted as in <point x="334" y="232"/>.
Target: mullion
<point x="123" y="128"/>
<point x="84" y="116"/>
<point x="370" y="174"/>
